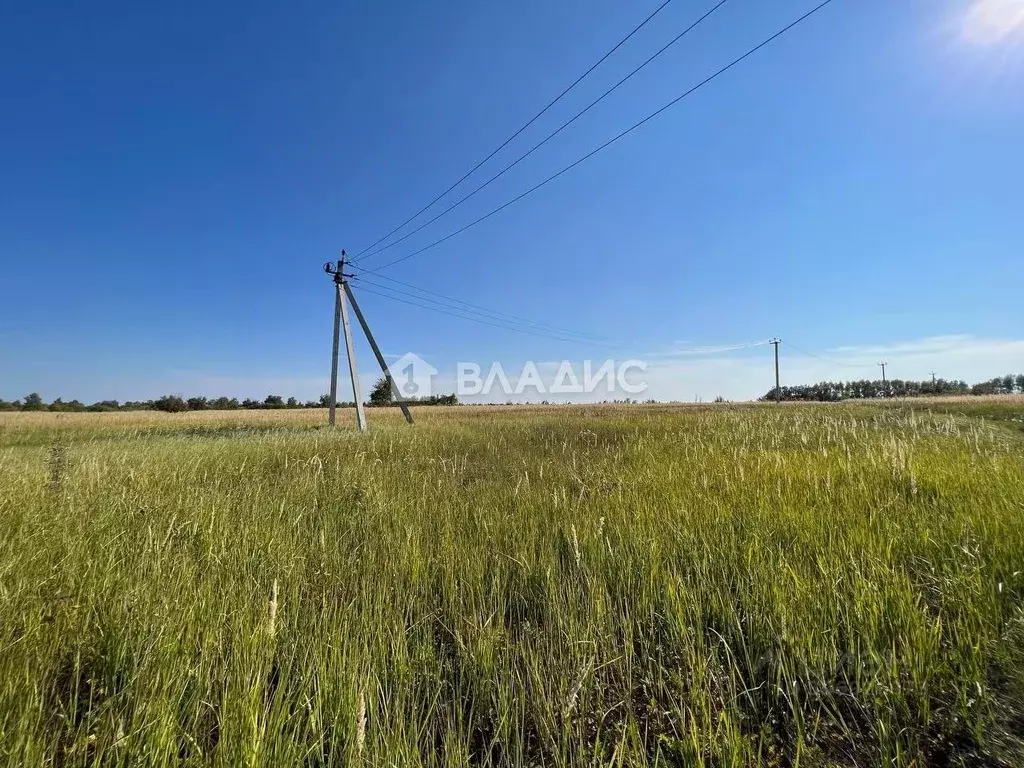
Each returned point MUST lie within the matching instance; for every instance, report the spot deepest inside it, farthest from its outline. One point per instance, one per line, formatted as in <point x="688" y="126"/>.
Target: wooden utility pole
<point x="778" y="390"/>
<point x="341" y="318"/>
<point x="883" y="371"/>
<point x="933" y="377"/>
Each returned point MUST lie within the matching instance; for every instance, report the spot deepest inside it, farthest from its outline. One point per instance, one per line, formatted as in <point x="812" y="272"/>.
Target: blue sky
<point x="175" y="174"/>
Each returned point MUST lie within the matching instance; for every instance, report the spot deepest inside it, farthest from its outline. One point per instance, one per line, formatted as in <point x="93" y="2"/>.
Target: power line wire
<point x="530" y="122"/>
<point x="507" y="325"/>
<point x="829" y="360"/>
<point x="548" y="138"/>
<point x="494" y="314"/>
<point x="611" y="141"/>
<point x="458" y="314"/>
<point x="719" y="349"/>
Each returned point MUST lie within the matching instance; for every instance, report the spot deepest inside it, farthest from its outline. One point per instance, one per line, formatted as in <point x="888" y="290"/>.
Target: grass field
<point x="830" y="585"/>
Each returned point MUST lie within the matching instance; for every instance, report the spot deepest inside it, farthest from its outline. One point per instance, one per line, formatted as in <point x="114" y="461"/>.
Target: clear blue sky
<point x="174" y="175"/>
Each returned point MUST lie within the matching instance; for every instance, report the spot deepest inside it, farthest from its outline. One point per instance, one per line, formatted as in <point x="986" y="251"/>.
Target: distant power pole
<point x="342" y="295"/>
<point x="778" y="391"/>
<point x="884" y="387"/>
<point x="933" y="377"/>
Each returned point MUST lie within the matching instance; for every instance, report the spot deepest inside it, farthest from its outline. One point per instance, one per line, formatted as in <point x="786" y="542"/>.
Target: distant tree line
<point x="381" y="395"/>
<point x="831" y="391"/>
<point x="178" y="404"/>
<point x="167" y="403"/>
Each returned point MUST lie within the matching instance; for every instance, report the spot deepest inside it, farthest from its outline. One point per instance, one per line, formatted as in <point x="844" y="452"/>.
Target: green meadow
<point x="812" y="585"/>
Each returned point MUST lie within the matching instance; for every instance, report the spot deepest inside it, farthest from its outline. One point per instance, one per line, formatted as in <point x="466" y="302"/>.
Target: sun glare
<point x="980" y="45"/>
<point x="988" y="22"/>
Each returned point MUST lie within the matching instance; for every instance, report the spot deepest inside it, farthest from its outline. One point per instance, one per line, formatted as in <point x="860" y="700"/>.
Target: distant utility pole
<point x="883" y="374"/>
<point x="933" y="377"/>
<point x="778" y="391"/>
<point x="343" y="294"/>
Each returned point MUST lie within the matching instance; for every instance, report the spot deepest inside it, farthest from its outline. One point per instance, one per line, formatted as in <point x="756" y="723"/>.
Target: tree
<point x="828" y="391"/>
<point x="990" y="387"/>
<point x="381" y="393"/>
<point x="73" y="405"/>
<point x="292" y="403"/>
<point x="274" y="401"/>
<point x="104" y="406"/>
<point x="197" y="404"/>
<point x="170" y="404"/>
<point x="33" y="402"/>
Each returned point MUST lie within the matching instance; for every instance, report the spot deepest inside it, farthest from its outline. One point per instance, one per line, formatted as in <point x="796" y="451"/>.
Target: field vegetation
<point x="813" y="585"/>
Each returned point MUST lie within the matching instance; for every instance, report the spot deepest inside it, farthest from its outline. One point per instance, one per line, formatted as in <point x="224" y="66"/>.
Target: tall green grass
<point x="724" y="586"/>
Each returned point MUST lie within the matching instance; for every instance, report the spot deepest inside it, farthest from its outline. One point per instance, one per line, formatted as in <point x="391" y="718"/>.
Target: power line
<point x="719" y="349"/>
<point x="548" y="138"/>
<point x="707" y="350"/>
<point x="458" y="314"/>
<point x="507" y="325"/>
<point x="611" y="141"/>
<point x="486" y="312"/>
<point x="827" y="359"/>
<point x="530" y="122"/>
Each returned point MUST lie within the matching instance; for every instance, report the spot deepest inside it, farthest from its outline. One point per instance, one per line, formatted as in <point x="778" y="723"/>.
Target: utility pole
<point x="341" y="318"/>
<point x="778" y="391"/>
<point x="343" y="294"/>
<point x="933" y="377"/>
<point x="333" y="397"/>
<point x="885" y="388"/>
